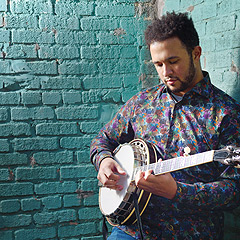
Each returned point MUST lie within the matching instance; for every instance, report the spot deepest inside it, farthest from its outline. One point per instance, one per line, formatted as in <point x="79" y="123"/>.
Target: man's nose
<point x="167" y="70"/>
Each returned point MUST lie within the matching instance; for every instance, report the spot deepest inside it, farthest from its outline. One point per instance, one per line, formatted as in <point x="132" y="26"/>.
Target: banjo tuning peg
<point x="230" y="148"/>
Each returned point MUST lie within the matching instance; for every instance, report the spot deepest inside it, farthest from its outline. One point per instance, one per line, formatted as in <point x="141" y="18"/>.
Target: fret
<point x="166" y="166"/>
<point x="145" y="168"/>
<point x="177" y="163"/>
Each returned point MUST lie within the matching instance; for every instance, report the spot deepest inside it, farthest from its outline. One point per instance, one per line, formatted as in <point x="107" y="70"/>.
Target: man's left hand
<point x="162" y="185"/>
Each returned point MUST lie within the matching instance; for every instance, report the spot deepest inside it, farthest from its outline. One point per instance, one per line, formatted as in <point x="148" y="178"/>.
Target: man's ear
<point x="196" y="53"/>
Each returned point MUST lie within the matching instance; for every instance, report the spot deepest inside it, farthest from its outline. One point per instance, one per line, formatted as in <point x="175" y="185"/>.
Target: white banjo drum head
<point x="109" y="199"/>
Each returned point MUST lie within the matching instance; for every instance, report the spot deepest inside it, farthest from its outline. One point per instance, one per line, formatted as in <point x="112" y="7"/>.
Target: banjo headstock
<point x="228" y="156"/>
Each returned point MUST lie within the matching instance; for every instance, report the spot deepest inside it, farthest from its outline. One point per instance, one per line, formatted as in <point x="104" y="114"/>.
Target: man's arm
<point x="220" y="194"/>
<point x="163" y="185"/>
<point x="223" y="194"/>
<point x="224" y="191"/>
<point x="119" y="130"/>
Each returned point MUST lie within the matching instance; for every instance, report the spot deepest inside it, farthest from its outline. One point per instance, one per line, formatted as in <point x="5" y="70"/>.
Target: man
<point x="185" y="111"/>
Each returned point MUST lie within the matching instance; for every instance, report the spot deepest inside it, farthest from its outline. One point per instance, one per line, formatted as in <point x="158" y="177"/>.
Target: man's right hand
<point x="109" y="173"/>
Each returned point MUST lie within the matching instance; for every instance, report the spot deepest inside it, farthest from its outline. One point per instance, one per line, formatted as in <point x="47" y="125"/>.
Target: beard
<point x="188" y="81"/>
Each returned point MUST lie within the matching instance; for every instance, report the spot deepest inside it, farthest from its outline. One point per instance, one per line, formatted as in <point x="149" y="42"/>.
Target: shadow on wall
<point x="235" y="67"/>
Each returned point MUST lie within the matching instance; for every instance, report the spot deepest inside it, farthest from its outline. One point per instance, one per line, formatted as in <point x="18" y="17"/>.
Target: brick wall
<point x="65" y="68"/>
<point x="218" y="25"/>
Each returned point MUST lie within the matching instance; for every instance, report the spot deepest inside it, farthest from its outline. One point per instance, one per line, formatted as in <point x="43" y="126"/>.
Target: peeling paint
<point x="142" y="77"/>
<point x="11" y="175"/>
<point x="33" y="162"/>
<point x="234" y="67"/>
<point x="37" y="47"/>
<point x="139" y="9"/>
<point x="160" y="5"/>
<point x="73" y="223"/>
<point x="150" y="10"/>
<point x="57" y="62"/>
<point x="3" y="22"/>
<point x="84" y="194"/>
<point x="190" y="8"/>
<point x="119" y="32"/>
<point x="3" y="55"/>
<point x="54" y="31"/>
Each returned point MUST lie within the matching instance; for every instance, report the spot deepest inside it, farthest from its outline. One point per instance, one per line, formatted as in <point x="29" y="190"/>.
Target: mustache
<point x="169" y="78"/>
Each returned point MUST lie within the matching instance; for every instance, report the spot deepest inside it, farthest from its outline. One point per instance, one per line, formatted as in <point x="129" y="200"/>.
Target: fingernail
<point x="120" y="188"/>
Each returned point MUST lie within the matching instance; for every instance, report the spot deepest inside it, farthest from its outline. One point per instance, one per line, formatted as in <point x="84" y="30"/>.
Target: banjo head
<point x="111" y="199"/>
<point x="116" y="205"/>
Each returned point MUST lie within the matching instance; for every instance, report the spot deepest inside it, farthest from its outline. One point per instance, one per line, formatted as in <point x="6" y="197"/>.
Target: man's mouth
<point x="171" y="81"/>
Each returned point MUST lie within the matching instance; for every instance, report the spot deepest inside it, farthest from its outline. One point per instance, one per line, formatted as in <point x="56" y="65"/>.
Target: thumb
<point x="120" y="170"/>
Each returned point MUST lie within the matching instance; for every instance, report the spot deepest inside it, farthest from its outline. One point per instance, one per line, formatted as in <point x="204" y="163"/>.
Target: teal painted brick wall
<point x="218" y="25"/>
<point x="65" y="69"/>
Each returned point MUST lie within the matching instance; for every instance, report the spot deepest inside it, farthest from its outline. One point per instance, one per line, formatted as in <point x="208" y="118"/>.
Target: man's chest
<point x="174" y="126"/>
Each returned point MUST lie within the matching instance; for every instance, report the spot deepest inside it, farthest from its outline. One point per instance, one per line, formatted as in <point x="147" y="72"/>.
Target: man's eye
<point x="173" y="61"/>
<point x="159" y="65"/>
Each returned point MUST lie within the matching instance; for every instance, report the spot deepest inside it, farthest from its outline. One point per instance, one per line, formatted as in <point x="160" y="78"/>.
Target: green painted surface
<point x="65" y="69"/>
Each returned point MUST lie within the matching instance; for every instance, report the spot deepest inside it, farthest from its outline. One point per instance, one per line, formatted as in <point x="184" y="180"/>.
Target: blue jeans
<point x="118" y="234"/>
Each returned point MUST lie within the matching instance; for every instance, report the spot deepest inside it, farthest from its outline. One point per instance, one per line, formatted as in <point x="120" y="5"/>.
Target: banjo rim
<point x="143" y="196"/>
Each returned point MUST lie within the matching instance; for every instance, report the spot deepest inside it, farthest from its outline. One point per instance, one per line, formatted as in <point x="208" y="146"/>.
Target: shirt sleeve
<point x="224" y="192"/>
<point x="119" y="130"/>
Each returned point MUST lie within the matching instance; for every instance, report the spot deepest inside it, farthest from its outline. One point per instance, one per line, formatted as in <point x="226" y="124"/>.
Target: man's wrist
<point x="104" y="158"/>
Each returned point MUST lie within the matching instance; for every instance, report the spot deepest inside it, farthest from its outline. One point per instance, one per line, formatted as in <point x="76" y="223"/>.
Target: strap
<point x="139" y="221"/>
<point x="104" y="229"/>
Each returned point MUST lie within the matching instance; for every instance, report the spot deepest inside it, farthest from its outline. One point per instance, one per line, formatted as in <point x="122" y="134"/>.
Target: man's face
<point x="174" y="65"/>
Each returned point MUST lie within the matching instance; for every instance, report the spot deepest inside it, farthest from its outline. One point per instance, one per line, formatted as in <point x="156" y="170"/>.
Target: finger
<point x="139" y="176"/>
<point x="109" y="183"/>
<point x="148" y="173"/>
<point x="113" y="185"/>
<point x="106" y="181"/>
<point x="109" y="174"/>
<point x="112" y="176"/>
<point x="120" y="170"/>
<point x="102" y="178"/>
<point x="114" y="171"/>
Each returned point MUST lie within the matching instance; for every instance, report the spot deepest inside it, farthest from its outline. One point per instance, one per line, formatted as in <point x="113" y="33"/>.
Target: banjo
<point x="118" y="206"/>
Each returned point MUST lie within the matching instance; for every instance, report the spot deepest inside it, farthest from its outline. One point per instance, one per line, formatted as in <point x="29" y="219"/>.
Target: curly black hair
<point x="173" y="25"/>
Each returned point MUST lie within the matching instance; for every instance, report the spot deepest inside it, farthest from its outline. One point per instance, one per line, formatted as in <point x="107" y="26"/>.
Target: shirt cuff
<point x="100" y="157"/>
<point x="186" y="193"/>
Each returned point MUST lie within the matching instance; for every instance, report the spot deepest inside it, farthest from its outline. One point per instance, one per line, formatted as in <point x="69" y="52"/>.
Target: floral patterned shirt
<point x="205" y="119"/>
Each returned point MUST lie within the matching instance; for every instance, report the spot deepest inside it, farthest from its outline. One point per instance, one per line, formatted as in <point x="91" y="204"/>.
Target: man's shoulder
<point x="224" y="99"/>
<point x="150" y="92"/>
<point x="144" y="97"/>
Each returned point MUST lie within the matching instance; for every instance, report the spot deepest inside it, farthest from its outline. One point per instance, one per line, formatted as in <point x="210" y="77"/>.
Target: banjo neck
<point x="118" y="206"/>
<point x="178" y="163"/>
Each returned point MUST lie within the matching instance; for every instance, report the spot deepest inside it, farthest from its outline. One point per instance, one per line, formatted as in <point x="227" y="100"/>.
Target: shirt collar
<point x="203" y="88"/>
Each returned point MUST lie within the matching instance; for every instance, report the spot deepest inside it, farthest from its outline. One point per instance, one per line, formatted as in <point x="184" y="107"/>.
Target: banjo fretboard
<point x="177" y="163"/>
<point x="118" y="206"/>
